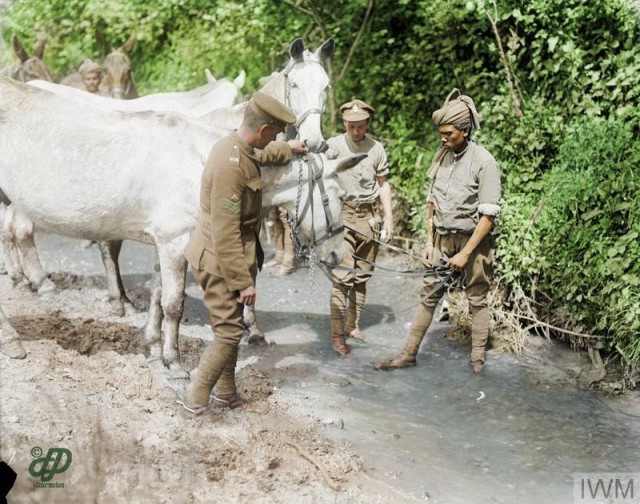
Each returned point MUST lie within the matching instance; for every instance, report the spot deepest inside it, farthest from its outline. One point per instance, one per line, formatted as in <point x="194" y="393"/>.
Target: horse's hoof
<point x="22" y="285"/>
<point x="257" y="339"/>
<point x="129" y="309"/>
<point x="117" y="308"/>
<point x="10" y="344"/>
<point x="46" y="287"/>
<point x="177" y="372"/>
<point x="155" y="351"/>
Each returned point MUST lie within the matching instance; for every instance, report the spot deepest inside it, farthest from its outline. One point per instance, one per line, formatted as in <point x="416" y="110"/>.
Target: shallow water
<point x="436" y="431"/>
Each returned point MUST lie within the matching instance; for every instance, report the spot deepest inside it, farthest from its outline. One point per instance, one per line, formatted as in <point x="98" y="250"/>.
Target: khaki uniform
<point x="225" y="253"/>
<point x="465" y="187"/>
<point x="360" y="211"/>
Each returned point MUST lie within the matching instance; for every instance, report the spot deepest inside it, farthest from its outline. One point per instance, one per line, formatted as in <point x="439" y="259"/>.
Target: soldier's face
<point x="268" y="133"/>
<point x="92" y="82"/>
<point x="356" y="129"/>
<point x="452" y="138"/>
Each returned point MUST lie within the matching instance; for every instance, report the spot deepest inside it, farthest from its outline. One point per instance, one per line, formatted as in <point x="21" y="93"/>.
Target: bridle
<point x="294" y="128"/>
<point x="23" y="75"/>
<point x="315" y="166"/>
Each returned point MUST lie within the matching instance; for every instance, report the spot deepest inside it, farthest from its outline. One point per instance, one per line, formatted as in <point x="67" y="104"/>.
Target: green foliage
<point x="567" y="185"/>
<point x="589" y="228"/>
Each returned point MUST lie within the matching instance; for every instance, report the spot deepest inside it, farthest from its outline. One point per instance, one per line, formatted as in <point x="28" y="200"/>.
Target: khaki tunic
<point x="225" y="242"/>
<point x="465" y="186"/>
<point x="360" y="182"/>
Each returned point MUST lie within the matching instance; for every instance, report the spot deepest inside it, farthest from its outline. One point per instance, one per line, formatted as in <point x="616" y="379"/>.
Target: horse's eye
<point x="294" y="85"/>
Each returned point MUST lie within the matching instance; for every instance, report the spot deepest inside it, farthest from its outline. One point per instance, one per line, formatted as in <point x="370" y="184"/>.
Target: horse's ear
<point x="39" y="51"/>
<point x="210" y="78"/>
<point x="297" y="49"/>
<point x="128" y="45"/>
<point x="19" y="49"/>
<point x="239" y="80"/>
<point x="326" y="49"/>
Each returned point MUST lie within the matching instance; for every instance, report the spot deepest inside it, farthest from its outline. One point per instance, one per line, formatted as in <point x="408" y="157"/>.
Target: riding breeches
<point x="218" y="362"/>
<point x="477" y="280"/>
<point x="359" y="253"/>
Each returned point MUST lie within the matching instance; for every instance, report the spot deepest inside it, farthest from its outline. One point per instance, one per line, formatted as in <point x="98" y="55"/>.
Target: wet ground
<point x="518" y="433"/>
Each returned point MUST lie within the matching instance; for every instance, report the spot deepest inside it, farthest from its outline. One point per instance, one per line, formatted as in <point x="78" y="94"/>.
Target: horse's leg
<point x="173" y="268"/>
<point x="256" y="336"/>
<point x="153" y="328"/>
<point x="11" y="254"/>
<point x="31" y="264"/>
<point x="110" y="251"/>
<point x="10" y="344"/>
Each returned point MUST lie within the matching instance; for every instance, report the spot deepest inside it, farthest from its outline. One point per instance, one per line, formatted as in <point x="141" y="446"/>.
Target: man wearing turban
<point x="462" y="203"/>
<point x="91" y="73"/>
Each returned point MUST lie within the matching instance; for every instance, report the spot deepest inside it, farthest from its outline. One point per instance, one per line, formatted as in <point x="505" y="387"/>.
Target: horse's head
<point x="310" y="192"/>
<point x="27" y="67"/>
<point x="117" y="78"/>
<point x="302" y="86"/>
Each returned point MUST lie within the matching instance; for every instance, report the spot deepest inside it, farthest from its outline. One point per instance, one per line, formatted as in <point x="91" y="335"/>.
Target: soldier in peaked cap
<point x="462" y="203"/>
<point x="91" y="73"/>
<point x="368" y="195"/>
<point x="224" y="250"/>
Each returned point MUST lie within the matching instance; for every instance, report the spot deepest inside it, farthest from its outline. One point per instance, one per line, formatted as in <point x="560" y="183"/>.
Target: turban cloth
<point x="88" y="67"/>
<point x="457" y="111"/>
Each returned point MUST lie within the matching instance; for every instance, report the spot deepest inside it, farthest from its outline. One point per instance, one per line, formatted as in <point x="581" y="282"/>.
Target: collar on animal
<point x="315" y="166"/>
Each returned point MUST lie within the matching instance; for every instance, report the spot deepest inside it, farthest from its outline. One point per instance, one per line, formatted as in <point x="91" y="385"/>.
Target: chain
<point x="313" y="260"/>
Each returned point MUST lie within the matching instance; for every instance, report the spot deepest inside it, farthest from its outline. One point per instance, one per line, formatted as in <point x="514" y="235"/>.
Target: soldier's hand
<point x="388" y="230"/>
<point x="298" y="146"/>
<point x="247" y="295"/>
<point x="458" y="261"/>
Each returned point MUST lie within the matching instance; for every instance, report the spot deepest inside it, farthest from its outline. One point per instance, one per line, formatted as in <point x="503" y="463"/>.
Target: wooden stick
<point x="308" y="457"/>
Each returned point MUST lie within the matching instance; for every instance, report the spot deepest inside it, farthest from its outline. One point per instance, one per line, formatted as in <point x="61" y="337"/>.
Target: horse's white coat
<point x="194" y="103"/>
<point x="105" y="175"/>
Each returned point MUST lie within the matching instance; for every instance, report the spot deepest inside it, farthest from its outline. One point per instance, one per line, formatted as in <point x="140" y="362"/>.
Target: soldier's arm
<point x="276" y="153"/>
<point x="226" y="197"/>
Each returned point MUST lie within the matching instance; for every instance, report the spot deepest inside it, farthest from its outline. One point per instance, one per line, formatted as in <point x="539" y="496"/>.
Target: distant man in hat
<point x="91" y="73"/>
<point x="366" y="213"/>
<point x="462" y="204"/>
<point x="224" y="250"/>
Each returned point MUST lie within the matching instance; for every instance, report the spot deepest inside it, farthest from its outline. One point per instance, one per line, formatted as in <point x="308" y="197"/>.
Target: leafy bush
<point x="589" y="231"/>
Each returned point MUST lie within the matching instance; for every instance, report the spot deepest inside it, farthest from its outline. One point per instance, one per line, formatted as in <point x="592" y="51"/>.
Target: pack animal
<point x="135" y="190"/>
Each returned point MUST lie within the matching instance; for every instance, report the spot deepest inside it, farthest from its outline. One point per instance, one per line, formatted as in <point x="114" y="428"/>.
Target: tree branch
<point x="514" y="96"/>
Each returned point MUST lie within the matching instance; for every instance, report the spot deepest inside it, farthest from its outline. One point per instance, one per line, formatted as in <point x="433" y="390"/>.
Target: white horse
<point x="302" y="85"/>
<point x="194" y="103"/>
<point x="143" y="184"/>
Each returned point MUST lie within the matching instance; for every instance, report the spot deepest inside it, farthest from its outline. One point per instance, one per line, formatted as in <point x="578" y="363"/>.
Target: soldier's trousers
<point x="218" y="363"/>
<point x="349" y="292"/>
<point x="478" y="273"/>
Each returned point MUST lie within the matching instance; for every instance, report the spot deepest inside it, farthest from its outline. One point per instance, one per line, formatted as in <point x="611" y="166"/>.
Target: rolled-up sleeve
<point x="489" y="188"/>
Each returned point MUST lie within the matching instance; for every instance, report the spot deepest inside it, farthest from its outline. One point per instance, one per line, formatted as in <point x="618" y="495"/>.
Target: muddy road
<point x="319" y="429"/>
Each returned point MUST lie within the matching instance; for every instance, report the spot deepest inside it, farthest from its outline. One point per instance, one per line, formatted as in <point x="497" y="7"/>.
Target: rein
<point x="315" y="179"/>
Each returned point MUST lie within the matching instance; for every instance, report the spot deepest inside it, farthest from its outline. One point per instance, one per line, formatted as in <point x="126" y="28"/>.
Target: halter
<point x="315" y="165"/>
<point x="23" y="75"/>
<point x="287" y="97"/>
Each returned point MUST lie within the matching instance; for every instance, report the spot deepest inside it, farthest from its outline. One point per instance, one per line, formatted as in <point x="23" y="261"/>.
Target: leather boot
<point x="340" y="345"/>
<point x="398" y="362"/>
